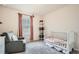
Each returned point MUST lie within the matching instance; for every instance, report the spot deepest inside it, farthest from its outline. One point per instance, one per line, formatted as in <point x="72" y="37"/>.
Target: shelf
<point x="41" y="30"/>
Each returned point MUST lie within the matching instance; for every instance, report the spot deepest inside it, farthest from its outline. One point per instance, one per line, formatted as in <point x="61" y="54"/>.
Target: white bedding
<point x="57" y="41"/>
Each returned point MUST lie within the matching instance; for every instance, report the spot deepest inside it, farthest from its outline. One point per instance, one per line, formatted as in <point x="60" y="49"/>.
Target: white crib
<point x="62" y="41"/>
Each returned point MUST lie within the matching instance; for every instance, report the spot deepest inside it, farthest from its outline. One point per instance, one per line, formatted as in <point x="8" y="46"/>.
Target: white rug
<point x="39" y="48"/>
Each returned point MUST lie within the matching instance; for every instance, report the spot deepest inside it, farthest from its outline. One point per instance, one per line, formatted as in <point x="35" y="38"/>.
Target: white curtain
<point x="26" y="27"/>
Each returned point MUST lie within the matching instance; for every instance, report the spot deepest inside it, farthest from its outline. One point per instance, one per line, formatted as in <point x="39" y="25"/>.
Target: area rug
<point x="39" y="47"/>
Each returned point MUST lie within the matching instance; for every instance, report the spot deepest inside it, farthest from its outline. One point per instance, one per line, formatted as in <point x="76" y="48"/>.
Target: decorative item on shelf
<point x="41" y="20"/>
<point x="0" y="22"/>
<point x="41" y="30"/>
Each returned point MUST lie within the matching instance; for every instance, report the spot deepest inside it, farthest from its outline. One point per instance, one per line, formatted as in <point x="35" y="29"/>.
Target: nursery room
<point x="39" y="28"/>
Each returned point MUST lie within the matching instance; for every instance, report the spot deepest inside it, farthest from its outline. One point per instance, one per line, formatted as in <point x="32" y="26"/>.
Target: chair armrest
<point x="21" y="38"/>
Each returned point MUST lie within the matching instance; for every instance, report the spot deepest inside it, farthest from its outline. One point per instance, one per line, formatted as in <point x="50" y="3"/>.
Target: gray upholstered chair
<point x="12" y="44"/>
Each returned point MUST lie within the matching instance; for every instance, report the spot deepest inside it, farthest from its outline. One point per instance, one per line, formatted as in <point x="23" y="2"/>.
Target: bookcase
<point x="41" y="30"/>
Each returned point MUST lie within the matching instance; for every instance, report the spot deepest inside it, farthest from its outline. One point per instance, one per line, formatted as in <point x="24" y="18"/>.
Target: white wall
<point x="10" y="20"/>
<point x="9" y="17"/>
<point x="63" y="20"/>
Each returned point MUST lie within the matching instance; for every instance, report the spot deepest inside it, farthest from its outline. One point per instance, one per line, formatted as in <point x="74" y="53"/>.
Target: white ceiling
<point x="39" y="9"/>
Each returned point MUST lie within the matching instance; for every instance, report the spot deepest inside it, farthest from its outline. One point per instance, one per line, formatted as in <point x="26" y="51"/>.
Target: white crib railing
<point x="68" y="38"/>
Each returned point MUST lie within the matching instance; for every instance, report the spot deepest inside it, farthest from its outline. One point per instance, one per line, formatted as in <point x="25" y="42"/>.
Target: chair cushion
<point x="12" y="36"/>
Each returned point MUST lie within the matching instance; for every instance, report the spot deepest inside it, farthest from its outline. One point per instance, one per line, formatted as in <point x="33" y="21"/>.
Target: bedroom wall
<point x="63" y="20"/>
<point x="9" y="17"/>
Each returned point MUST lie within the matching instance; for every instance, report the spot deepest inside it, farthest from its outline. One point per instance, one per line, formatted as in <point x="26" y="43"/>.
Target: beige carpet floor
<point x="39" y="47"/>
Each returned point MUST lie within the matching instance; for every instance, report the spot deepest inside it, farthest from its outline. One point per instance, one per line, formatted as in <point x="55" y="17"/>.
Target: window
<point x="26" y="26"/>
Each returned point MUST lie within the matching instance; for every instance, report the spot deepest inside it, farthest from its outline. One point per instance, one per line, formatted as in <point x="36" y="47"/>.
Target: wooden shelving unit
<point x="41" y="30"/>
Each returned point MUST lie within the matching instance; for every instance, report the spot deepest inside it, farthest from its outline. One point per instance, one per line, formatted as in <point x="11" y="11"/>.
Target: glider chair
<point x="13" y="44"/>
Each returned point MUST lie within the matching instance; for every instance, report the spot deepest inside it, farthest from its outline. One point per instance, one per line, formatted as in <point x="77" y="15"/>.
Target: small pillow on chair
<point x="14" y="37"/>
<point x="10" y="35"/>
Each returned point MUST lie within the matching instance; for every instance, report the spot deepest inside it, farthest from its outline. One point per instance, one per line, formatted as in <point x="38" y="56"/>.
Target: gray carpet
<point x="39" y="48"/>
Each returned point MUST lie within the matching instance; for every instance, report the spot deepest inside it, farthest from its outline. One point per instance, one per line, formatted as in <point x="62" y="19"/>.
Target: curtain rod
<point x="25" y="14"/>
